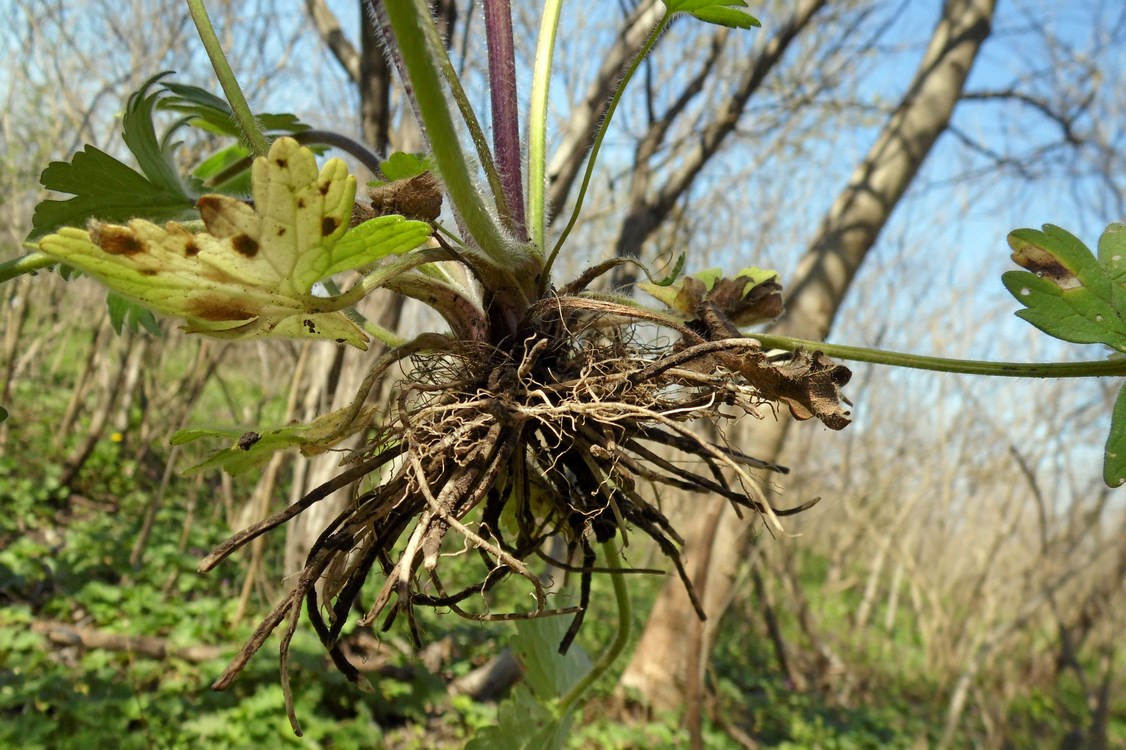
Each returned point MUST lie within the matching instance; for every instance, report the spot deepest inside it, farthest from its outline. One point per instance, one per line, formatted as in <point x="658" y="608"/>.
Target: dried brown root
<point x="563" y="431"/>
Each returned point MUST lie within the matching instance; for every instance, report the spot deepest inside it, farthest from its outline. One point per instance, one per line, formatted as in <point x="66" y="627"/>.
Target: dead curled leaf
<point x="418" y="197"/>
<point x="742" y="300"/>
<point x="809" y="383"/>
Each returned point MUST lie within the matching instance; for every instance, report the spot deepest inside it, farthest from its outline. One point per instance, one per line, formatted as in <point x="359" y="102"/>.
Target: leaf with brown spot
<point x="252" y="272"/>
<point x="252" y="449"/>
<point x="1067" y="291"/>
<point x="1071" y="294"/>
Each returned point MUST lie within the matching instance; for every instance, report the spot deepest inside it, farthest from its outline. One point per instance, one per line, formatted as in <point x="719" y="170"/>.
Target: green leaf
<point x="523" y="724"/>
<point x="1114" y="456"/>
<point x="366" y="243"/>
<point x="1112" y="252"/>
<point x="251" y="450"/>
<point x="154" y="156"/>
<point x="549" y="674"/>
<point x="721" y="12"/>
<point x="1070" y="294"/>
<point x="1067" y="292"/>
<point x="222" y="160"/>
<point x="402" y="166"/>
<point x="106" y="189"/>
<point x="3" y="414"/>
<point x="124" y="312"/>
<point x="252" y="272"/>
<point x="213" y="114"/>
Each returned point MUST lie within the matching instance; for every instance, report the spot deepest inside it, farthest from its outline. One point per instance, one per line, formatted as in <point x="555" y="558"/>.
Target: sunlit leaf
<point x="106" y="189"/>
<point x="721" y="12"/>
<point x="1114" y="456"/>
<point x="250" y="450"/>
<point x="252" y="272"/>
<point x="401" y="166"/>
<point x="1067" y="292"/>
<point x="221" y="161"/>
<point x="1112" y="252"/>
<point x="1070" y="294"/>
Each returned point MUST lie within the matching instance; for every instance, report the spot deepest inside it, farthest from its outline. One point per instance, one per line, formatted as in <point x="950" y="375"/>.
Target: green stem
<point x="601" y="135"/>
<point x="255" y="139"/>
<point x="537" y="125"/>
<point x="1100" y="368"/>
<point x="461" y="99"/>
<point x="25" y="264"/>
<point x="621" y="594"/>
<point x="409" y="19"/>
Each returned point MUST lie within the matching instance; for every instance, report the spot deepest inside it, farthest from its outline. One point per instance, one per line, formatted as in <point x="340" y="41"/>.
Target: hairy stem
<point x="505" y="115"/>
<point x="409" y="21"/>
<point x="253" y="134"/>
<point x="29" y="263"/>
<point x="1100" y="368"/>
<point x="621" y="595"/>
<point x="537" y="126"/>
<point x="476" y="134"/>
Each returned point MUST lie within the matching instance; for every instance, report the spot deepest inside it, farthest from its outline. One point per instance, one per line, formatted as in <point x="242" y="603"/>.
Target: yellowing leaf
<point x="251" y="450"/>
<point x="252" y="272"/>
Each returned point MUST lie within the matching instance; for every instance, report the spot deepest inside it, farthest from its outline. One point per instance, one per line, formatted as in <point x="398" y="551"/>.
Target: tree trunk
<point x="658" y="670"/>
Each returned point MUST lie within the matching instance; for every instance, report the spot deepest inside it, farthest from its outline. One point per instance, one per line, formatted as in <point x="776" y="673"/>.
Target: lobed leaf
<point x="402" y="166"/>
<point x="1072" y="295"/>
<point x="213" y="114"/>
<point x="721" y="12"/>
<point x="523" y="724"/>
<point x="252" y="272"/>
<point x="1067" y="291"/>
<point x="106" y="189"/>
<point x="251" y="450"/>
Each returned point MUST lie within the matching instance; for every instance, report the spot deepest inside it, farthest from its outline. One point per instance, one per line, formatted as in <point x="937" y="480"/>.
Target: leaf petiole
<point x="255" y="138"/>
<point x="1100" y="368"/>
<point x="621" y="638"/>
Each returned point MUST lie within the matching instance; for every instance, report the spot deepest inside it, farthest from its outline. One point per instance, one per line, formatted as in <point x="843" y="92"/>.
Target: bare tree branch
<point x="328" y="26"/>
<point x="647" y="213"/>
<point x="575" y="141"/>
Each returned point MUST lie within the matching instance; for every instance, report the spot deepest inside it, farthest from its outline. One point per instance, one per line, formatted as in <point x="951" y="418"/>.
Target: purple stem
<point x="506" y="116"/>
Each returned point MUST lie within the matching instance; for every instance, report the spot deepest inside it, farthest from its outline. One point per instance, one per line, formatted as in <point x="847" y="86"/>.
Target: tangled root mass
<point x="563" y="430"/>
